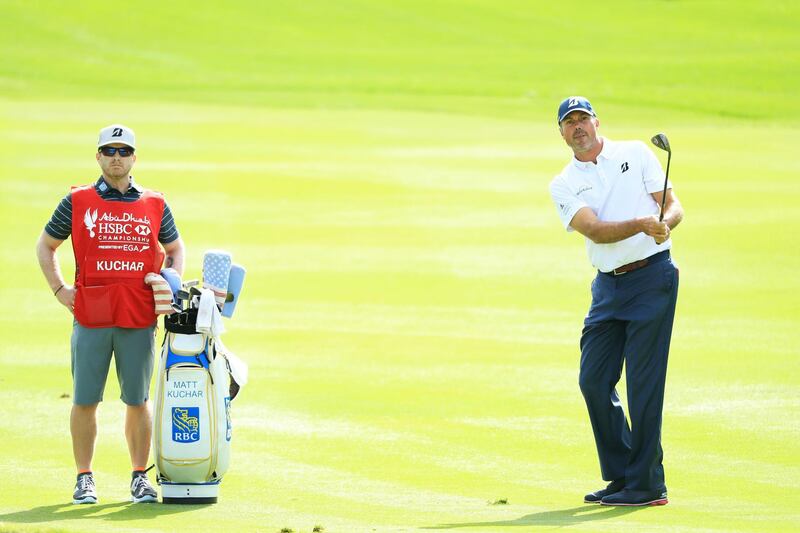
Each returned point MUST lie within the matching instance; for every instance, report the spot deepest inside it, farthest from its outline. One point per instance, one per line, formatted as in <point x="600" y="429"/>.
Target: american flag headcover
<point x="216" y="271"/>
<point x="162" y="293"/>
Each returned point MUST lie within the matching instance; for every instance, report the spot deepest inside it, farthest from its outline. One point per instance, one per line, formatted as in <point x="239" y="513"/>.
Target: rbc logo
<point x="185" y="424"/>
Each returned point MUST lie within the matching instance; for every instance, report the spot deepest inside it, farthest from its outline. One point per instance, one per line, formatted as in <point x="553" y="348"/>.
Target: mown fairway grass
<point x="412" y="308"/>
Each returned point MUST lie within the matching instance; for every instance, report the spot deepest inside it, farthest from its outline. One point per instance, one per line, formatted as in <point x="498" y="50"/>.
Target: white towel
<point x="209" y="319"/>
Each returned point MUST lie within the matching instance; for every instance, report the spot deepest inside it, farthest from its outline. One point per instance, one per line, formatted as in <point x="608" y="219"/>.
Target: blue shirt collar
<point x="102" y="186"/>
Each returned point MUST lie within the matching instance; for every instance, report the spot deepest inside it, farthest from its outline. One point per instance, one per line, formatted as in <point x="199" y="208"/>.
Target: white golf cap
<point x="116" y="133"/>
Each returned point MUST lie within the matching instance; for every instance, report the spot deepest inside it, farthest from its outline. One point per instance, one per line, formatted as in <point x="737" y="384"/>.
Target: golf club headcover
<point x="216" y="270"/>
<point x="174" y="280"/>
<point x="162" y="293"/>
<point x="235" y="281"/>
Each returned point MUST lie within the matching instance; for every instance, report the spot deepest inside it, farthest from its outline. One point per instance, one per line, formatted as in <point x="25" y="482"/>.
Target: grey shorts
<point x="91" y="357"/>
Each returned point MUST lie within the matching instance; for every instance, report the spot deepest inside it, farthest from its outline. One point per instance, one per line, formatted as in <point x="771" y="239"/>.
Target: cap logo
<point x="573" y="102"/>
<point x="117" y="132"/>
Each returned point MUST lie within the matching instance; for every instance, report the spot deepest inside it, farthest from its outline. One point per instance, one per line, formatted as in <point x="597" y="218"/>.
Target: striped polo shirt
<point x="60" y="224"/>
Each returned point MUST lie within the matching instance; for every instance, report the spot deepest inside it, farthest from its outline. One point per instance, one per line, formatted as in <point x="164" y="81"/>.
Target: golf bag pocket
<point x="191" y="420"/>
<point x="182" y="345"/>
<point x="185" y="420"/>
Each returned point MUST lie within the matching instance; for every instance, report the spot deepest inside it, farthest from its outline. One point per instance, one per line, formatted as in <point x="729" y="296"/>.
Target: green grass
<point x="412" y="308"/>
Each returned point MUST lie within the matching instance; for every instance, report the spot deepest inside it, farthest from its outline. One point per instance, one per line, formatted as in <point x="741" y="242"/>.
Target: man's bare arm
<point x="175" y="255"/>
<point x="673" y="210"/>
<point x="48" y="262"/>
<point x="602" y="232"/>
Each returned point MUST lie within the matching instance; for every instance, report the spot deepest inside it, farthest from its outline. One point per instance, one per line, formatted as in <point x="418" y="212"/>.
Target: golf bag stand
<point x="191" y="422"/>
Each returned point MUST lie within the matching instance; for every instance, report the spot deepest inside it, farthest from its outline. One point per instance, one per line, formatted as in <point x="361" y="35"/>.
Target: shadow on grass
<point x="108" y="511"/>
<point x="561" y="517"/>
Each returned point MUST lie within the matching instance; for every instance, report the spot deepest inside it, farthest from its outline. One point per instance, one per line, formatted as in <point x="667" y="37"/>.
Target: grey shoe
<point x="595" y="497"/>
<point x="141" y="489"/>
<point x="84" y="489"/>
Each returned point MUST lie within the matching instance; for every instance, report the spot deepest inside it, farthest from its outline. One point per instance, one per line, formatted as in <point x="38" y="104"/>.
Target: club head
<point x="662" y="142"/>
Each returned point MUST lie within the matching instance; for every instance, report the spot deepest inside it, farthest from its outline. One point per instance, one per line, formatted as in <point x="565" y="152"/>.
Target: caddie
<point x="120" y="232"/>
<point x="611" y="193"/>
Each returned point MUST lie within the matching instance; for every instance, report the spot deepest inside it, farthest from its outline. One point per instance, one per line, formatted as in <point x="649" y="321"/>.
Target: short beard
<point x="117" y="173"/>
<point x="585" y="145"/>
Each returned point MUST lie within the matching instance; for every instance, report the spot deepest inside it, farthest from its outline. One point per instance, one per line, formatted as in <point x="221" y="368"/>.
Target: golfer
<point x="610" y="192"/>
<point x="116" y="227"/>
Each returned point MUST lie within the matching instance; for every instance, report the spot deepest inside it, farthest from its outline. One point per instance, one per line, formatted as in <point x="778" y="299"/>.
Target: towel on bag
<point x="162" y="293"/>
<point x="209" y="322"/>
<point x="209" y="319"/>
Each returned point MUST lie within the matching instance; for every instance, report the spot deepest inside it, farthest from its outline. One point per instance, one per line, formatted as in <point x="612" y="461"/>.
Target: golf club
<point x="662" y="142"/>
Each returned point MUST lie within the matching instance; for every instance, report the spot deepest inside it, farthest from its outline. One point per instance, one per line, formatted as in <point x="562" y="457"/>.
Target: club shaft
<point x="664" y="194"/>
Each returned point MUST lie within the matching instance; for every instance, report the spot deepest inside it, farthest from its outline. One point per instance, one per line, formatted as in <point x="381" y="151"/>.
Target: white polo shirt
<point x="617" y="188"/>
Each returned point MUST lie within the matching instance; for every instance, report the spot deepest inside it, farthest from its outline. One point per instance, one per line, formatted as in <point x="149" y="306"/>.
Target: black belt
<point x="636" y="265"/>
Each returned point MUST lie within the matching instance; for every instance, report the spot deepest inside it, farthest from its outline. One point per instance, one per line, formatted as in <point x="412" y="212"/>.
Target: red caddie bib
<point x="115" y="246"/>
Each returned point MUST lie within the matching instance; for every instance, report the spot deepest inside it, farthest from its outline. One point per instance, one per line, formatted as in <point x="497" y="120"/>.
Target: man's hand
<point x="66" y="297"/>
<point x="658" y="230"/>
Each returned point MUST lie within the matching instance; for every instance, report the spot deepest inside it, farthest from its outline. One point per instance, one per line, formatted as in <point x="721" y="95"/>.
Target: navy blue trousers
<point x="630" y="320"/>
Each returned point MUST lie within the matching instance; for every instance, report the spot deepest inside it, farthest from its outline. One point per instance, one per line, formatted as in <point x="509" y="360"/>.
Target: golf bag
<point x="192" y="424"/>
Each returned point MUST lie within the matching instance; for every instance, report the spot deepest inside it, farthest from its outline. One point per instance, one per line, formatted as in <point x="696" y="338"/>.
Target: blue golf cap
<point x="574" y="103"/>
